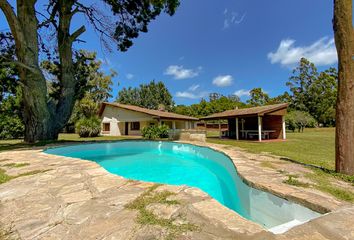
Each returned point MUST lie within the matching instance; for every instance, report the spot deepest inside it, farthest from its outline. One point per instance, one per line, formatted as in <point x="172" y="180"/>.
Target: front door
<point x="126" y="128"/>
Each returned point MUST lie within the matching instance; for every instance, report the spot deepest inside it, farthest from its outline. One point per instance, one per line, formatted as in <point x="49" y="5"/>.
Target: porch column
<point x="259" y="128"/>
<point x="219" y="129"/>
<point x="173" y="125"/>
<point x="237" y="137"/>
<point x="186" y="125"/>
<point x="284" y="128"/>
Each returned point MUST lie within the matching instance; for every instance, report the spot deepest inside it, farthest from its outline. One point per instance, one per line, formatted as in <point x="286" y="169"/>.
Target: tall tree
<point x="322" y="96"/>
<point x="303" y="77"/>
<point x="344" y="40"/>
<point x="258" y="97"/>
<point x="314" y="92"/>
<point x="97" y="90"/>
<point x="45" y="116"/>
<point x="152" y="95"/>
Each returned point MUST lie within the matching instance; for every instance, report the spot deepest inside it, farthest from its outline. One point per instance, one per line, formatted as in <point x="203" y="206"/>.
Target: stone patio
<point x="78" y="199"/>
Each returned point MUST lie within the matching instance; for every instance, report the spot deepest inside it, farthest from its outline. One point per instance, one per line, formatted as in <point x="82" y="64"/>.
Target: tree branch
<point x="51" y="18"/>
<point x="77" y="33"/>
<point x="12" y="21"/>
<point x="22" y="65"/>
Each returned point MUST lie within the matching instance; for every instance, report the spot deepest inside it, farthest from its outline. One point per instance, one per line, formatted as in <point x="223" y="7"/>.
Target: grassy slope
<point x="314" y="146"/>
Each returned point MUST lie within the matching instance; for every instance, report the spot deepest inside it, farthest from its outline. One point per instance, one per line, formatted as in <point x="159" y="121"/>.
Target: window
<point x="106" y="127"/>
<point x="135" y="126"/>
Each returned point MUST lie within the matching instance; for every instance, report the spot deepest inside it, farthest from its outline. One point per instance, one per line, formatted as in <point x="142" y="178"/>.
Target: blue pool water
<point x="200" y="167"/>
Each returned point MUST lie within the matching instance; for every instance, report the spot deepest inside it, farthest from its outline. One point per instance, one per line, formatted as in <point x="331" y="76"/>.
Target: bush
<point x="299" y="120"/>
<point x="154" y="132"/>
<point x="88" y="127"/>
<point x="11" y="127"/>
<point x="164" y="131"/>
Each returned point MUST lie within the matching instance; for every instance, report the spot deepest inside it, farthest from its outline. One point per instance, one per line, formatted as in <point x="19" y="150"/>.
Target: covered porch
<point x="256" y="123"/>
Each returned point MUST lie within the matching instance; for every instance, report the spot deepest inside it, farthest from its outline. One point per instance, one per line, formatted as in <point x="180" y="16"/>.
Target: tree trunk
<point x="344" y="40"/>
<point x="43" y="117"/>
<point x="37" y="117"/>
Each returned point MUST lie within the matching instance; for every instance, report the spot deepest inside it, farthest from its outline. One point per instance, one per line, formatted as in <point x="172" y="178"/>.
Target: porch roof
<point x="253" y="111"/>
<point x="154" y="113"/>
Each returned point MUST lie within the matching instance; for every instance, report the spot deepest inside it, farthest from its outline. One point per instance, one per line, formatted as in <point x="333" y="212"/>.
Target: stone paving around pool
<point x="77" y="199"/>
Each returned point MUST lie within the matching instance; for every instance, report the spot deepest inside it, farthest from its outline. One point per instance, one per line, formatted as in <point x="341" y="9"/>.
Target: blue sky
<point x="223" y="46"/>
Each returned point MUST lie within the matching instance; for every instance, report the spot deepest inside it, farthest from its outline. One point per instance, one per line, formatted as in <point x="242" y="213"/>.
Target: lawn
<point x="64" y="137"/>
<point x="313" y="146"/>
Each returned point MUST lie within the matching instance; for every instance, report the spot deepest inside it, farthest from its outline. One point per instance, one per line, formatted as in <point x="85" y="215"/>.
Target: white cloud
<point x="223" y="80"/>
<point x="232" y="18"/>
<point x="322" y="52"/>
<point x="242" y="92"/>
<point x="191" y="93"/>
<point x="179" y="72"/>
<point x="129" y="76"/>
<point x="186" y="94"/>
<point x="194" y="87"/>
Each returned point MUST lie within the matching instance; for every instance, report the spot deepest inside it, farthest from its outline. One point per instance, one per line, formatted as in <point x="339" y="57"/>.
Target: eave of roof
<point x="253" y="111"/>
<point x="155" y="113"/>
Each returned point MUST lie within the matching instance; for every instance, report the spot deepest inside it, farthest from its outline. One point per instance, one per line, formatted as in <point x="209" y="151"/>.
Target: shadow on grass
<point x="22" y="145"/>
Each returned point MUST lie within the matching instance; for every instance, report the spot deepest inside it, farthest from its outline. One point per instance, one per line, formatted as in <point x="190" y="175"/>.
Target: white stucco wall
<point x="117" y="117"/>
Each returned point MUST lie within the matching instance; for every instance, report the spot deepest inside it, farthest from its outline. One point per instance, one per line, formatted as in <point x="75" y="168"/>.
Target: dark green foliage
<point x="11" y="127"/>
<point x="155" y="132"/>
<point x="94" y="84"/>
<point x="164" y="131"/>
<point x="217" y="103"/>
<point x="134" y="17"/>
<point x="314" y="92"/>
<point x="258" y="97"/>
<point x="88" y="127"/>
<point x="11" y="123"/>
<point x="152" y="96"/>
<point x="299" y="120"/>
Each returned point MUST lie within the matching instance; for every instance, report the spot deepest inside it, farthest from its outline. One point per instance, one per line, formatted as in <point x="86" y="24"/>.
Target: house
<point x="122" y="119"/>
<point x="264" y="122"/>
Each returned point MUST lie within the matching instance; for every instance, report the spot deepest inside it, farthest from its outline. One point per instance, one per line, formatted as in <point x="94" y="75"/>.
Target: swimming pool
<point x="200" y="167"/>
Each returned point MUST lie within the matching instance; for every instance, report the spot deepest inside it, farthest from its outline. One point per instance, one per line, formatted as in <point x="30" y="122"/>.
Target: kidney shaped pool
<point x="200" y="167"/>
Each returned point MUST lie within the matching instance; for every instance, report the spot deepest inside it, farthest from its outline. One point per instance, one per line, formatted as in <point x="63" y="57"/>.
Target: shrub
<point x="154" y="132"/>
<point x="88" y="127"/>
<point x="299" y="120"/>
<point x="11" y="127"/>
<point x="164" y="131"/>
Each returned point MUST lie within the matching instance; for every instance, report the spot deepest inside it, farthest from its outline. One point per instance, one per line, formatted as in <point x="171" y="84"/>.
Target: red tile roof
<point x="155" y="113"/>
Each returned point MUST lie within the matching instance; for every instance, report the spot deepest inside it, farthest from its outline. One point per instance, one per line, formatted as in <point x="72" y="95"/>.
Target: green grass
<point x="147" y="217"/>
<point x="64" y="137"/>
<point x="292" y="180"/>
<point x="16" y="165"/>
<point x="5" y="177"/>
<point x="313" y="146"/>
<point x="323" y="182"/>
